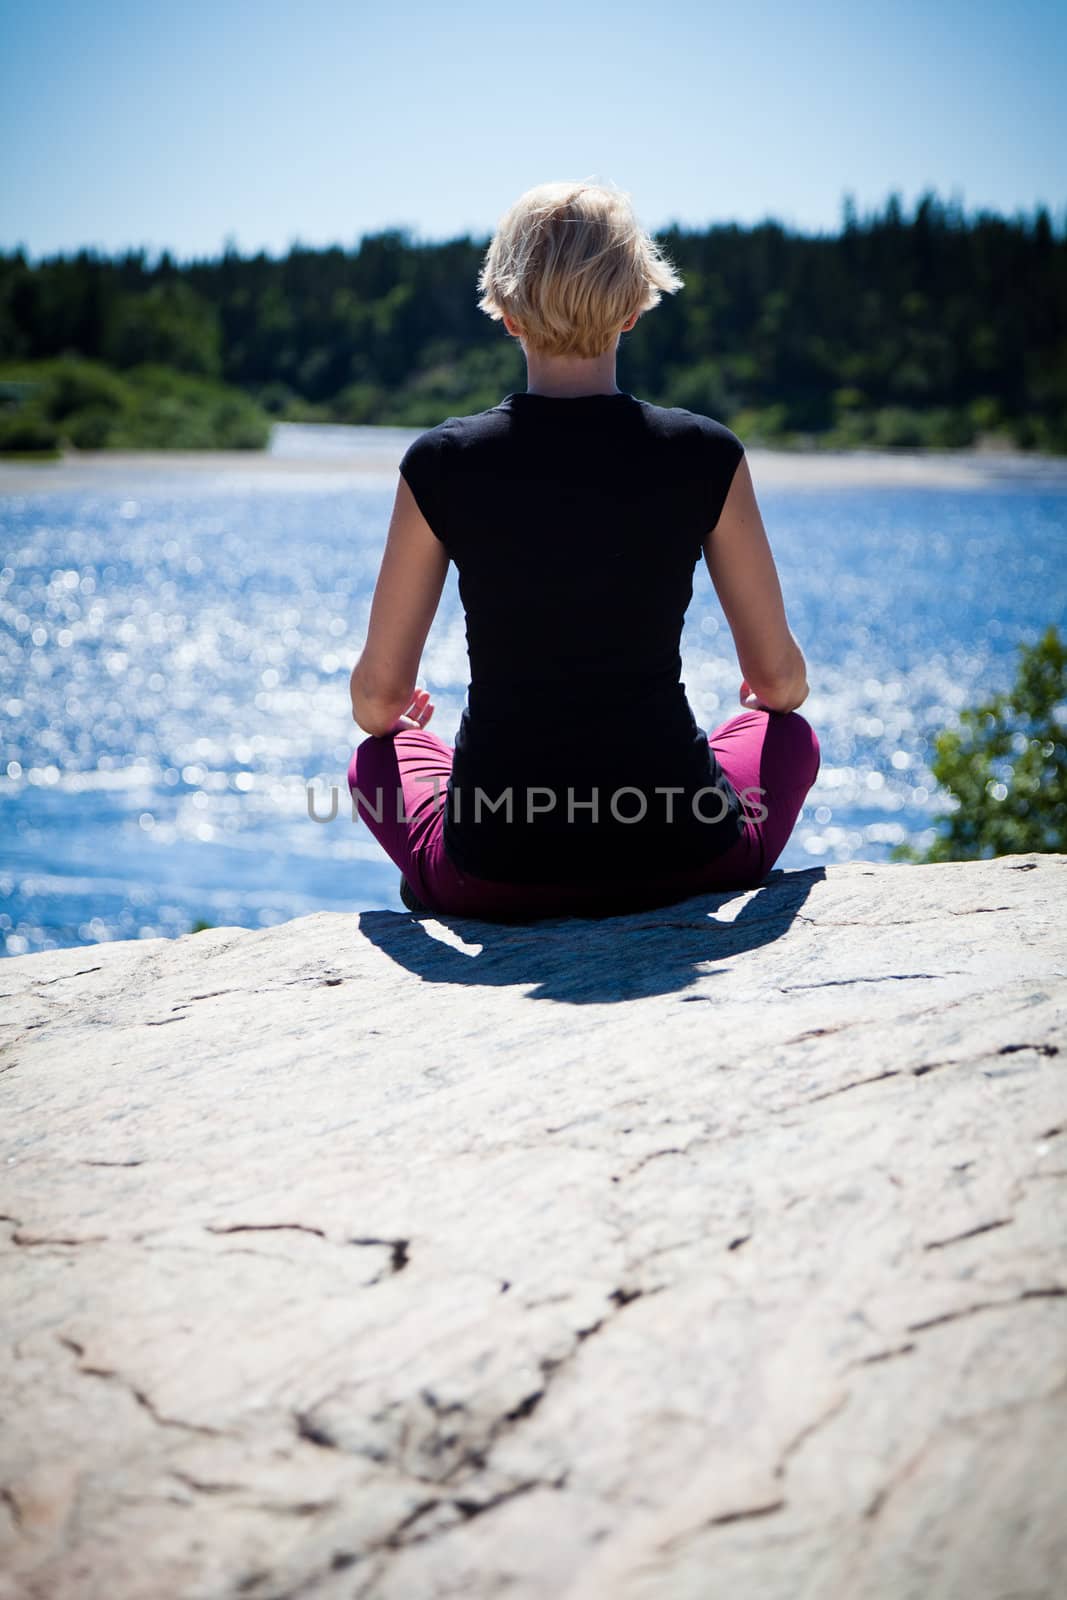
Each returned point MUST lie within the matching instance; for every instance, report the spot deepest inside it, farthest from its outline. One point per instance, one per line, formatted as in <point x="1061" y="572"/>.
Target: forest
<point x="935" y="329"/>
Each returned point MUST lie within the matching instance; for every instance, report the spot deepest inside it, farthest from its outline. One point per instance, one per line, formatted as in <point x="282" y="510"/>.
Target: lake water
<point x="176" y="643"/>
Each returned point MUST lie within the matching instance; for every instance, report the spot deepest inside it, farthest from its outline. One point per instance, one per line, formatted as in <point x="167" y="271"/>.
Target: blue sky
<point x="182" y="126"/>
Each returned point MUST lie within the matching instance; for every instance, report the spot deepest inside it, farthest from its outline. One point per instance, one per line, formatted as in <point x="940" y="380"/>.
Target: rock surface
<point x="714" y="1251"/>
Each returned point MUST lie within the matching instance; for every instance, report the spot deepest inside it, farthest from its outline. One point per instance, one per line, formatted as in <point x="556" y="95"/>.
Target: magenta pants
<point x="775" y="752"/>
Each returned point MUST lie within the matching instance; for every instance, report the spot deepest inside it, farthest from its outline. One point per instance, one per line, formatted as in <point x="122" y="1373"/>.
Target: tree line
<point x="930" y="329"/>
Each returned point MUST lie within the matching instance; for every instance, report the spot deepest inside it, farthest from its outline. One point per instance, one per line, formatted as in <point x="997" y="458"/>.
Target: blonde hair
<point x="570" y="263"/>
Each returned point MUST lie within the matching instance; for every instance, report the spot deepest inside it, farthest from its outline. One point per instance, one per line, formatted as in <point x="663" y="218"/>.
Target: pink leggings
<point x="774" y="751"/>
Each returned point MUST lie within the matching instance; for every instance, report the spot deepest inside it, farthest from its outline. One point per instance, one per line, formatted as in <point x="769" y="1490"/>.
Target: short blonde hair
<point x="570" y="263"/>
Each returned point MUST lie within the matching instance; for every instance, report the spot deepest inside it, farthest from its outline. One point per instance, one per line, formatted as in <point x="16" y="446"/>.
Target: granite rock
<point x="712" y="1251"/>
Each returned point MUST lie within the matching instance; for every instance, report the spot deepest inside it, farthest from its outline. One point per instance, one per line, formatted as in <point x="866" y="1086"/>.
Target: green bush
<point x="986" y="413"/>
<point x="701" y="386"/>
<point x="275" y="398"/>
<point x="91" y="430"/>
<point x="26" y="432"/>
<point x="949" y="428"/>
<point x="71" y="387"/>
<point x="1005" y="767"/>
<point x="853" y="430"/>
<point x="300" y="410"/>
<point x="1037" y="432"/>
<point x="763" y="425"/>
<point x="359" y="403"/>
<point x="147" y="407"/>
<point x="898" y="427"/>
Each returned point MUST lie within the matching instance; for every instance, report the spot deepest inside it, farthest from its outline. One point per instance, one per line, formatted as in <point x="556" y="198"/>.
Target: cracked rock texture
<point x="713" y="1251"/>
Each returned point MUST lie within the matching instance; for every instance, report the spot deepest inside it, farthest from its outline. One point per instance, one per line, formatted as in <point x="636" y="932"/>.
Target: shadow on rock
<point x="587" y="960"/>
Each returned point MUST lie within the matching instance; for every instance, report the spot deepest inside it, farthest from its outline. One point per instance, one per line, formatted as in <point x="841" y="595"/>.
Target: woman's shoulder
<point x="439" y="455"/>
<point x="680" y="421"/>
<point x="432" y="442"/>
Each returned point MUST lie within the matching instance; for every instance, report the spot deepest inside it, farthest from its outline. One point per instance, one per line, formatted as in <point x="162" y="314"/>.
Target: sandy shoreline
<point x="935" y="469"/>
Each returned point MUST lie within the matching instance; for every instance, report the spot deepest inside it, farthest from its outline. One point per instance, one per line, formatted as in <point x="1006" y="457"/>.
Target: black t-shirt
<point x="575" y="526"/>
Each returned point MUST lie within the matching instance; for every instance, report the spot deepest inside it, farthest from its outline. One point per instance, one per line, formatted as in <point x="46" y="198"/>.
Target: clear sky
<point x="183" y="125"/>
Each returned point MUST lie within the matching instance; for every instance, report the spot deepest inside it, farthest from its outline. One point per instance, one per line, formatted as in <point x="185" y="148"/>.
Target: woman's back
<point x="575" y="525"/>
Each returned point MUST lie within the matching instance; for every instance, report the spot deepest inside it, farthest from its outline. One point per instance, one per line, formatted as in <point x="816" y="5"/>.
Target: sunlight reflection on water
<point x="176" y="656"/>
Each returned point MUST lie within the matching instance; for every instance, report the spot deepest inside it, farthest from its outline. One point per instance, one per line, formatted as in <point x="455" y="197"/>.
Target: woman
<point x="576" y="514"/>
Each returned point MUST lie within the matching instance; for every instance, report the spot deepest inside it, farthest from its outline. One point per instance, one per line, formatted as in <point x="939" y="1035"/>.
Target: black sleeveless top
<point x="575" y="526"/>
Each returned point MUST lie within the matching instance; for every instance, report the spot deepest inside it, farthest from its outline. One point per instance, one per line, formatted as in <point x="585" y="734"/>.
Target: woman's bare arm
<point x="739" y="559"/>
<point x="406" y="597"/>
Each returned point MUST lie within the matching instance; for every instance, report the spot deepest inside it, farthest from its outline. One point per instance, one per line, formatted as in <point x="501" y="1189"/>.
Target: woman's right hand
<point x="750" y="699"/>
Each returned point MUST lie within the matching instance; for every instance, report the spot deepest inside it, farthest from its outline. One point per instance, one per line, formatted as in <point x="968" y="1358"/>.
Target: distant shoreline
<point x="965" y="468"/>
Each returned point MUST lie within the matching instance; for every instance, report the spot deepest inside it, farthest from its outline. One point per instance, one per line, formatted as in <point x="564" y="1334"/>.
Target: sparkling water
<point x="176" y="644"/>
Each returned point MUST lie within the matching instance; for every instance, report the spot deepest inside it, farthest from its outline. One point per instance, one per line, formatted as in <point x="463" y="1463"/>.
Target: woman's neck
<point x="566" y="377"/>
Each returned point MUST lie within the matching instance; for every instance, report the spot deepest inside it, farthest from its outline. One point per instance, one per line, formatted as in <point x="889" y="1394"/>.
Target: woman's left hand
<point x="417" y="714"/>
